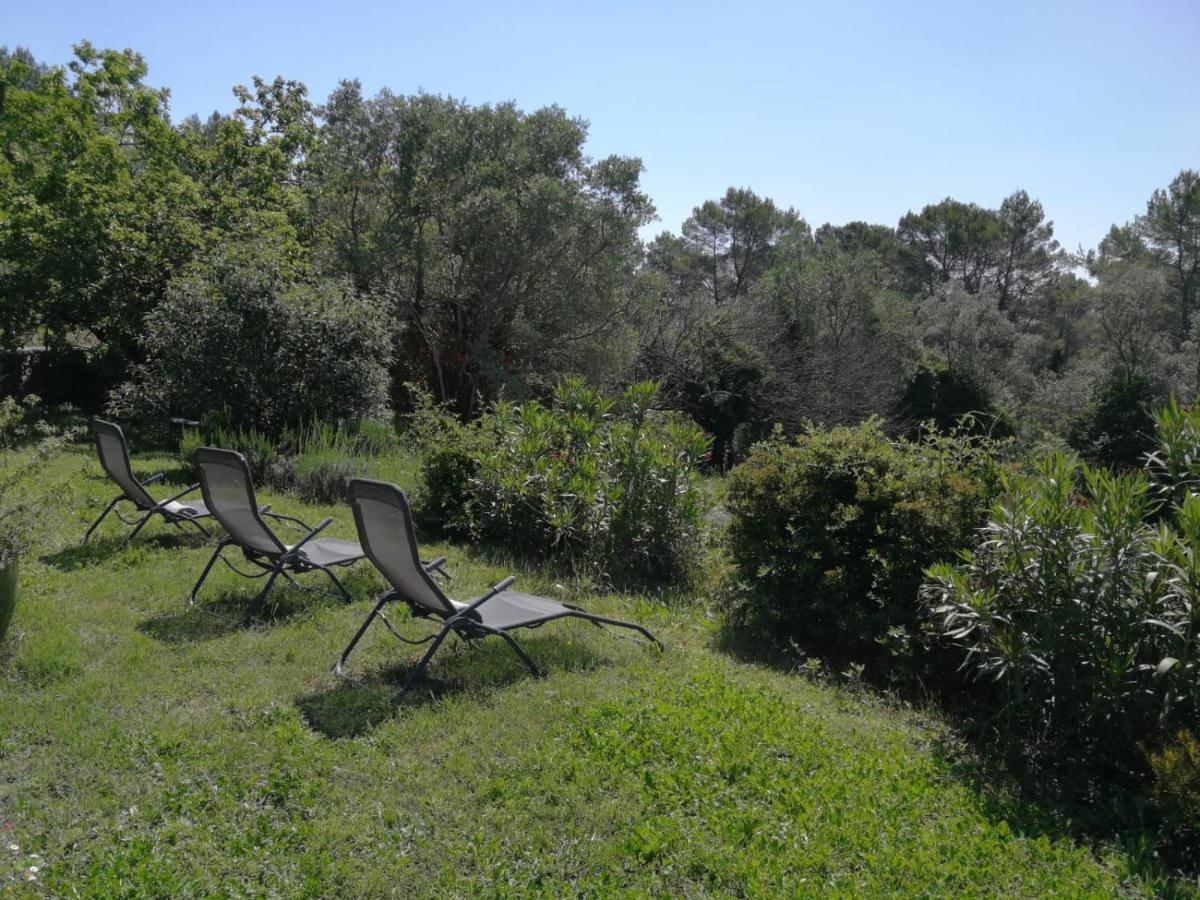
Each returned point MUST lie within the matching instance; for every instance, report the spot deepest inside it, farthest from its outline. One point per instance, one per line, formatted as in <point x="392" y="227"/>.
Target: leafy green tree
<point x="731" y="240"/>
<point x="954" y="241"/>
<point x="1171" y="230"/>
<point x="716" y="379"/>
<point x="1028" y="257"/>
<point x="952" y="402"/>
<point x="507" y="254"/>
<point x="96" y="215"/>
<point x="1131" y="312"/>
<point x="1167" y="235"/>
<point x="242" y="341"/>
<point x="838" y="342"/>
<point x="1010" y="251"/>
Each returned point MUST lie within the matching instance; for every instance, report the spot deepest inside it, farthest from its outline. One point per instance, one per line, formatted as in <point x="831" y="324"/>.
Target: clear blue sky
<point x="843" y="110"/>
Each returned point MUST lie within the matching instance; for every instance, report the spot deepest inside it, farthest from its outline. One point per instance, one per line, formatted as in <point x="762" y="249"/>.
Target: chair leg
<point x="138" y="527"/>
<point x="341" y="587"/>
<point x="420" y="666"/>
<point x="111" y="506"/>
<point x="212" y="561"/>
<point x="601" y="620"/>
<point x="261" y="600"/>
<point x="340" y="665"/>
<point x="517" y="648"/>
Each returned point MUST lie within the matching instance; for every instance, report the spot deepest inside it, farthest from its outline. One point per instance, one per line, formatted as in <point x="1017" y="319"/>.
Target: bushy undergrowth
<point x="1080" y="610"/>
<point x="1117" y="427"/>
<point x="315" y="462"/>
<point x="831" y="535"/>
<point x="607" y="487"/>
<point x="1176" y="791"/>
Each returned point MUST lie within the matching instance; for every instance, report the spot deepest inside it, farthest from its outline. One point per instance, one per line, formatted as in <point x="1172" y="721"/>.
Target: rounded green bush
<point x="831" y="533"/>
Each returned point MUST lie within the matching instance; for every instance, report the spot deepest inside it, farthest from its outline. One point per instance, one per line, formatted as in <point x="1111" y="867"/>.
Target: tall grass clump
<point x="316" y="461"/>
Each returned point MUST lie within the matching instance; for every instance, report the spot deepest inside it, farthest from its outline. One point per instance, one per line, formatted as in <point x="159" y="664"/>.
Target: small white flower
<point x="33" y="870"/>
<point x="13" y="847"/>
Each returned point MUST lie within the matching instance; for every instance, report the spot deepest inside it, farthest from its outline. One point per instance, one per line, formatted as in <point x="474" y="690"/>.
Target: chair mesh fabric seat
<point x="114" y="459"/>
<point x="193" y="509"/>
<point x="229" y="496"/>
<point x="512" y="609"/>
<point x="331" y="551"/>
<point x="386" y="532"/>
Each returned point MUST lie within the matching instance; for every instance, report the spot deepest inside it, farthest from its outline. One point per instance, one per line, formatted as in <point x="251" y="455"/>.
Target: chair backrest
<point x="385" y="530"/>
<point x="229" y="495"/>
<point x="114" y="459"/>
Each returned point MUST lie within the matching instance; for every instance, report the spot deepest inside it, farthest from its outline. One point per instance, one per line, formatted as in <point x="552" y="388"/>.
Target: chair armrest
<point x="439" y="566"/>
<point x="282" y="518"/>
<point x="152" y="479"/>
<point x="496" y="589"/>
<point x="321" y="526"/>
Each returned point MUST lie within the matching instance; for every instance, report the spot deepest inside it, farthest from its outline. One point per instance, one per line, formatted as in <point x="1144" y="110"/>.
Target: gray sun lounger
<point x="229" y="495"/>
<point x="385" y="530"/>
<point x="114" y="459"/>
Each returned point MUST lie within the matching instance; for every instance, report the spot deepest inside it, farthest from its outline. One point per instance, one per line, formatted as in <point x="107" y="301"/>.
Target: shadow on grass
<point x="1031" y="803"/>
<point x="1063" y="809"/>
<point x="231" y="611"/>
<point x="100" y="550"/>
<point x="354" y="706"/>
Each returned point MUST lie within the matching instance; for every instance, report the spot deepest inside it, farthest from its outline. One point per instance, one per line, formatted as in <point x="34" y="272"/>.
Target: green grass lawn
<point x="151" y="750"/>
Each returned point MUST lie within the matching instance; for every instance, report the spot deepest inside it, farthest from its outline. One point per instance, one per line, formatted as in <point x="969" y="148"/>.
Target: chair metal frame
<point x="288" y="562"/>
<point x="148" y="509"/>
<point x="465" y="621"/>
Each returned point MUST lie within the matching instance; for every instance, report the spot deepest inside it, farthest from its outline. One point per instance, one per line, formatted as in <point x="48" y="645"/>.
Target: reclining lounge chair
<point x="229" y="495"/>
<point x="385" y="530"/>
<point x="114" y="458"/>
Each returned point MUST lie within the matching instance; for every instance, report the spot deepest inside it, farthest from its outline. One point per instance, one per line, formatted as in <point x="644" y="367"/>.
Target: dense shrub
<point x="1117" y="428"/>
<point x="315" y="480"/>
<point x="1173" y="460"/>
<point x="952" y="401"/>
<point x="262" y="352"/>
<point x="830" y="534"/>
<point x="607" y="487"/>
<point x="1082" y="613"/>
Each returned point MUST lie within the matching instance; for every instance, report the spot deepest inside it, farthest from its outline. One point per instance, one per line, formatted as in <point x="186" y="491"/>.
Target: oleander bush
<point x="605" y="486"/>
<point x="831" y="534"/>
<point x="1080" y="608"/>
